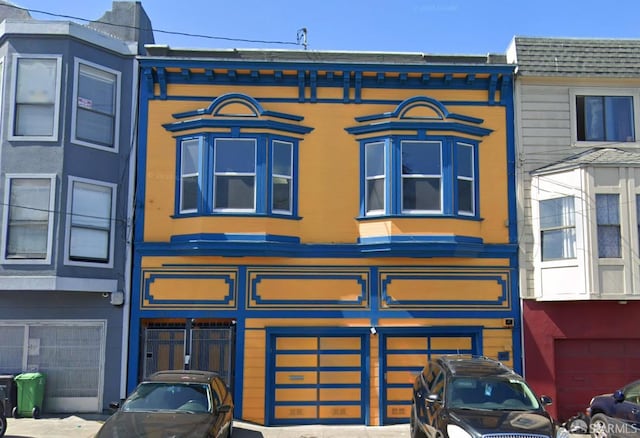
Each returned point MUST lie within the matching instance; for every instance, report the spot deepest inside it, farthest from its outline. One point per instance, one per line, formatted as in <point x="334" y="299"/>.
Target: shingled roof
<point x="600" y="157"/>
<point x="576" y="57"/>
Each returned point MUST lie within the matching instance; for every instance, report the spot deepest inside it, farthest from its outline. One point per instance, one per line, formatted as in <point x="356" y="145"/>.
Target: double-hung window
<point x="608" y="221"/>
<point x="36" y="98"/>
<point x="28" y="219"/>
<point x="96" y="106"/>
<point x="282" y="177"/>
<point x="245" y="175"/>
<point x="375" y="177"/>
<point x="90" y="222"/>
<point x="419" y="177"/>
<point x="190" y="174"/>
<point x="234" y="179"/>
<point x="558" y="228"/>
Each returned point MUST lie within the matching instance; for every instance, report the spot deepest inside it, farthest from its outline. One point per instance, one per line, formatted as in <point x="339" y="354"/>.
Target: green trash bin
<point x="30" y="395"/>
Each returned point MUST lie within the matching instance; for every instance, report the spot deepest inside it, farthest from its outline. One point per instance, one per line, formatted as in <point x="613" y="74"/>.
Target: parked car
<point x="617" y="413"/>
<point x="469" y="397"/>
<point x="176" y="403"/>
<point x="3" y="420"/>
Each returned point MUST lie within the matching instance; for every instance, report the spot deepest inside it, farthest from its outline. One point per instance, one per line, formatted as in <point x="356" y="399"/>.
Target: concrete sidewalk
<point x="86" y="426"/>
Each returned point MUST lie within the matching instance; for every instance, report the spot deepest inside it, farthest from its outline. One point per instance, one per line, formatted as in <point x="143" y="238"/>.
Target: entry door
<point x="317" y="379"/>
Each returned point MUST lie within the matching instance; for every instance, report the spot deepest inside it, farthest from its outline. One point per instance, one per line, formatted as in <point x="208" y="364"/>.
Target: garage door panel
<point x="297" y="343"/>
<point x="297" y="361"/>
<point x="340" y="360"/>
<point x="296" y="412"/>
<point x="296" y="378"/>
<point x="340" y="377"/>
<point x="341" y="394"/>
<point x="343" y="412"/>
<point x="296" y="394"/>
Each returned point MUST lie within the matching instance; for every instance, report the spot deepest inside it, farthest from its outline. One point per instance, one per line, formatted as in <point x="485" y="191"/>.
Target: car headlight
<point x="455" y="431"/>
<point x="561" y="432"/>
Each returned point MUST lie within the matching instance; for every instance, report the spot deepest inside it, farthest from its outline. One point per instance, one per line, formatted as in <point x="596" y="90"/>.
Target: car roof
<point x="478" y="366"/>
<point x="184" y="376"/>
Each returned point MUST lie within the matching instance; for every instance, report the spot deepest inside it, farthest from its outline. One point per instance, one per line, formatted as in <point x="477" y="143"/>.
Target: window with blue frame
<point x="219" y="174"/>
<point x="404" y="176"/>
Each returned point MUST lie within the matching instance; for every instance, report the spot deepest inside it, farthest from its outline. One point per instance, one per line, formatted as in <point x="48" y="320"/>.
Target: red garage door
<point x="586" y="367"/>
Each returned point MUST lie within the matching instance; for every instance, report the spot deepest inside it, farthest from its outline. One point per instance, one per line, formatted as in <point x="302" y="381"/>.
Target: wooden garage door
<point x="404" y="358"/>
<point x="318" y="379"/>
<point x="587" y="367"/>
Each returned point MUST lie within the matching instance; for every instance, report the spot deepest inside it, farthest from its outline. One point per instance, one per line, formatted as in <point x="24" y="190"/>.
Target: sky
<point x="474" y="27"/>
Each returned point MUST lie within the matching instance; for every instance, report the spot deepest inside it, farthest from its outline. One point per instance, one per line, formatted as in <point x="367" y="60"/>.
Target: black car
<point x="177" y="403"/>
<point x="617" y="413"/>
<point x="3" y="420"/>
<point x="464" y="397"/>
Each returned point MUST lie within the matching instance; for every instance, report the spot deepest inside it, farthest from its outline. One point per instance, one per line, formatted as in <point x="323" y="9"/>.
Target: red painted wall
<point x="544" y="322"/>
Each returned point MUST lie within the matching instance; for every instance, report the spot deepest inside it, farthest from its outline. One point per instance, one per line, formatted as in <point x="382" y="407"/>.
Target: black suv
<point x="470" y="397"/>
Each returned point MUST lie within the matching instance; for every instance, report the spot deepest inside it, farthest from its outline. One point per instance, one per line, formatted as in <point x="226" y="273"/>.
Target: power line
<point x="194" y="35"/>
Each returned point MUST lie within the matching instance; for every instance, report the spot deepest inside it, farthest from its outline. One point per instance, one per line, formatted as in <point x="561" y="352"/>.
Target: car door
<point x="629" y="409"/>
<point x="222" y="406"/>
<point x="435" y="398"/>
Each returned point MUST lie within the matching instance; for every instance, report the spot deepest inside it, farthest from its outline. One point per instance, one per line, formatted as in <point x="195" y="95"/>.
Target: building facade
<point x="578" y="118"/>
<point x="67" y="157"/>
<point x="314" y="225"/>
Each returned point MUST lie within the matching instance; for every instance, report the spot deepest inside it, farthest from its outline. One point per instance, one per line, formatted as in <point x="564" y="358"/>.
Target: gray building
<point x="577" y="120"/>
<point x="67" y="161"/>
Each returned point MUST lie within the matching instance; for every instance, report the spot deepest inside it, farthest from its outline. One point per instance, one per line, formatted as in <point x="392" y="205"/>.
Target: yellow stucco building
<point x="315" y="225"/>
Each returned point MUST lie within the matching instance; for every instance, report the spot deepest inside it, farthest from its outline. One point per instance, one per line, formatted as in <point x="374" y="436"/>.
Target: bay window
<point x="419" y="177"/>
<point x="247" y="175"/>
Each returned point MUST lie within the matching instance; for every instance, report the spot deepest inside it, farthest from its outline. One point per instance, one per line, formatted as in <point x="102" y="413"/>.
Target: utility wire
<point x="194" y="35"/>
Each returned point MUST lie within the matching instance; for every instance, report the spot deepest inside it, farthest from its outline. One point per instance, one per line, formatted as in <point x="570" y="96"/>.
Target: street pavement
<point x="86" y="426"/>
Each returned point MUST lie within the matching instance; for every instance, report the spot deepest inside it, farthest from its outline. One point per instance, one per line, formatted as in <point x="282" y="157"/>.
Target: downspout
<point x="129" y="232"/>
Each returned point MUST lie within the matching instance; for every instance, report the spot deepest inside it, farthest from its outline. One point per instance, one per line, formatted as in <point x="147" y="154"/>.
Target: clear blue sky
<point x="429" y="26"/>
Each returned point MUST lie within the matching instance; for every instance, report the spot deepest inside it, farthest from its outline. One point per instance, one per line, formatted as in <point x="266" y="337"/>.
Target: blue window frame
<point x="223" y="175"/>
<point x="409" y="176"/>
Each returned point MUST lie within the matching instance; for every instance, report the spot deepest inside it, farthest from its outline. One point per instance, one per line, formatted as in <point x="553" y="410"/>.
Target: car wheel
<point x="14" y="412"/>
<point x="3" y="425"/>
<point x="600" y="426"/>
<point x="414" y="428"/>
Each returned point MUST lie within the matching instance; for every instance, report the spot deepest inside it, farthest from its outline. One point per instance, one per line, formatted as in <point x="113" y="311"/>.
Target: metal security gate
<point x="70" y="354"/>
<point x="317" y="379"/>
<point x="211" y="347"/>
<point x="404" y="356"/>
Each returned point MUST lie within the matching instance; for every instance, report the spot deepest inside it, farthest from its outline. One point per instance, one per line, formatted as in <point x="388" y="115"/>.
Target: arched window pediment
<point x="419" y="113"/>
<point x="237" y="110"/>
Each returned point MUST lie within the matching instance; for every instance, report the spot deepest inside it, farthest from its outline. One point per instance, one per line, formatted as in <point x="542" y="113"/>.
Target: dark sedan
<point x="616" y="414"/>
<point x="178" y="403"/>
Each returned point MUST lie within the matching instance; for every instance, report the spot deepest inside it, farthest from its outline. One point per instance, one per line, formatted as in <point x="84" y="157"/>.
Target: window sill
<point x="417" y="216"/>
<point x="247" y="215"/>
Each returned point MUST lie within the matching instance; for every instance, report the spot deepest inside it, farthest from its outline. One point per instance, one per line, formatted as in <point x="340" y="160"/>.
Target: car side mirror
<point x="618" y="396"/>
<point x="546" y="400"/>
<point x="114" y="406"/>
<point x="224" y="408"/>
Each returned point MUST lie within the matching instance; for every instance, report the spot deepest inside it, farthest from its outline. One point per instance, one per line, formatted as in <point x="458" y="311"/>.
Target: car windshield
<point x="499" y="393"/>
<point x="160" y="396"/>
